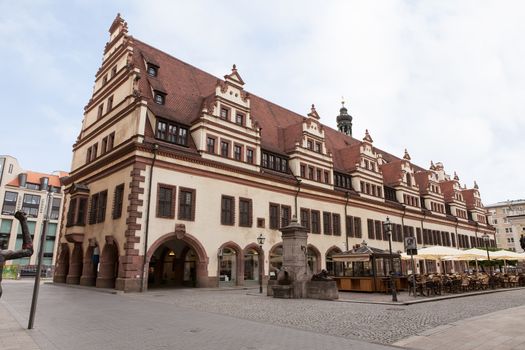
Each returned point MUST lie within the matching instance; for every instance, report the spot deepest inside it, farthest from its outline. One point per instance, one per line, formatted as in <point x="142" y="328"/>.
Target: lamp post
<point x="387" y="225"/>
<point x="486" y="240"/>
<point x="260" y="240"/>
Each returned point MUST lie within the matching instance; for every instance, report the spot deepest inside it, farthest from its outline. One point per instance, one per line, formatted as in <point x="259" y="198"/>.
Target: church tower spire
<point x="344" y="120"/>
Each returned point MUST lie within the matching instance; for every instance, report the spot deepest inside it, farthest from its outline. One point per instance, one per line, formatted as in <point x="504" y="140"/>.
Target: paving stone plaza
<point x="244" y="319"/>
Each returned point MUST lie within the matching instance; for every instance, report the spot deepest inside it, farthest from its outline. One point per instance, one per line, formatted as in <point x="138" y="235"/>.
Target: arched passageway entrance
<point x="75" y="265"/>
<point x="230" y="265"/>
<point x="91" y="265"/>
<point x="314" y="259"/>
<point x="253" y="264"/>
<point x="334" y="268"/>
<point x="177" y="261"/>
<point x="275" y="260"/>
<point x="108" y="269"/>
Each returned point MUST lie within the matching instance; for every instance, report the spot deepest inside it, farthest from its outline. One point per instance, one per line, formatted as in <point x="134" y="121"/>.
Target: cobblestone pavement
<point x="371" y="322"/>
<point x="157" y="314"/>
<point x="84" y="319"/>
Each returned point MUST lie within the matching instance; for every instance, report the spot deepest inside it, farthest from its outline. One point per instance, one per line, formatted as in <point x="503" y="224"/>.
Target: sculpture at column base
<point x="27" y="246"/>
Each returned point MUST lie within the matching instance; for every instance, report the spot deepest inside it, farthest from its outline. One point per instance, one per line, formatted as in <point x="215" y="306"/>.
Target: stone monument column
<point x="294" y="257"/>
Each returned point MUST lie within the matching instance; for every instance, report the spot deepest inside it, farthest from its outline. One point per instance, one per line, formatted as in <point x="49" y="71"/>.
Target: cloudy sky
<point x="444" y="79"/>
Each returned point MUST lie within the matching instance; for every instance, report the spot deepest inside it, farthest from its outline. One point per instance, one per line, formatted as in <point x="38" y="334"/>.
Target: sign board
<point x="411" y="245"/>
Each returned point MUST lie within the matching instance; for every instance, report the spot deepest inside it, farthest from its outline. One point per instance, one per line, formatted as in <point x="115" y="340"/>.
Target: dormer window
<point x="160" y="97"/>
<point x="239" y="119"/>
<point x="152" y="70"/>
<point x="172" y="133"/>
<point x="310" y="145"/>
<point x="224" y="113"/>
<point x="318" y="147"/>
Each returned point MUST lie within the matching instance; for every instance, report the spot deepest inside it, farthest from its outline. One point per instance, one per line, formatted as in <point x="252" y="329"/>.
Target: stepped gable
<point x="187" y="87"/>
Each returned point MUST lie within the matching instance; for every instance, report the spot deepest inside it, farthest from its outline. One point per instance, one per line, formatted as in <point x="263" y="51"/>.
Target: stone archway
<point x="230" y="264"/>
<point x="253" y="263"/>
<point x="314" y="259"/>
<point x="108" y="269"/>
<point x="275" y="259"/>
<point x="62" y="264"/>
<point x="333" y="268"/>
<point x="75" y="265"/>
<point x="91" y="263"/>
<point x="189" y="262"/>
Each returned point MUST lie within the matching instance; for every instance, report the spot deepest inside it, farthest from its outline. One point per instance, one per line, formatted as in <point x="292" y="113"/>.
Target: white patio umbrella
<point x="439" y="252"/>
<point x="506" y="255"/>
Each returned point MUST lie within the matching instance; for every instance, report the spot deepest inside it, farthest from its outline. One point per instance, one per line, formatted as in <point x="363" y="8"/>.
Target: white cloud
<point x="444" y="79"/>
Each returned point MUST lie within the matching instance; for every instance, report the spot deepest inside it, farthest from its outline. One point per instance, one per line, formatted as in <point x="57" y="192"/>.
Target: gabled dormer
<point x="362" y="163"/>
<point x="399" y="175"/>
<point x="450" y="187"/>
<point x="306" y="147"/>
<point x="430" y="190"/>
<point x="225" y="130"/>
<point x="475" y="207"/>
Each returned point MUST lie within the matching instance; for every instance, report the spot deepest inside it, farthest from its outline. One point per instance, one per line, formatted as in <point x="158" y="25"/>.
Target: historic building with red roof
<point x="176" y="172"/>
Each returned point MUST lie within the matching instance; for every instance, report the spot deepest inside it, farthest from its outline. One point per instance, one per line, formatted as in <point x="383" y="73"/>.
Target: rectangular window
<point x="274" y="216"/>
<point x="88" y="155"/>
<point x="102" y="201"/>
<point x="249" y="156"/>
<point x="225" y="149"/>
<point x="309" y="144"/>
<point x="303" y="170"/>
<point x="30" y="205"/>
<point x="378" y="231"/>
<point x="111" y="142"/>
<point x="316" y="221"/>
<point x="286" y="215"/>
<point x="100" y="111"/>
<point x="93" y="209"/>
<point x="172" y="133"/>
<point x="318" y="175"/>
<point x="159" y="97"/>
<point x="118" y="199"/>
<point x="245" y="212"/>
<point x="210" y="145"/>
<point x="318" y="147"/>
<point x="336" y="222"/>
<point x="357" y="227"/>
<point x="186" y="204"/>
<point x="239" y="119"/>
<point x="327" y="223"/>
<point x="110" y="104"/>
<point x="326" y="177"/>
<point x="224" y="113"/>
<point x="370" y="226"/>
<point x="274" y="162"/>
<point x="166" y="201"/>
<point x="55" y="208"/>
<point x="81" y="212"/>
<point x="94" y="150"/>
<point x="350" y="226"/>
<point x="9" y="206"/>
<point x="103" y="145"/>
<point x="237" y="152"/>
<point x="5" y="232"/>
<point x="310" y="173"/>
<point x="70" y="220"/>
<point x="305" y="218"/>
<point x="227" y="210"/>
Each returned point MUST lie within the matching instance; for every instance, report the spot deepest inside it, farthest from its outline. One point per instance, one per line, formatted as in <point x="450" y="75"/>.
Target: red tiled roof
<point x="391" y="172"/>
<point x="34" y="178"/>
<point x="187" y="87"/>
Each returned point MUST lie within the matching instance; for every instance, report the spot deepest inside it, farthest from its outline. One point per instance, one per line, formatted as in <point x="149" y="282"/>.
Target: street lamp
<point x="486" y="240"/>
<point x="260" y="240"/>
<point x="387" y="225"/>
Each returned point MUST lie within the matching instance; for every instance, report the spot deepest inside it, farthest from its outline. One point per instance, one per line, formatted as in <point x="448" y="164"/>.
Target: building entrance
<point x="173" y="264"/>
